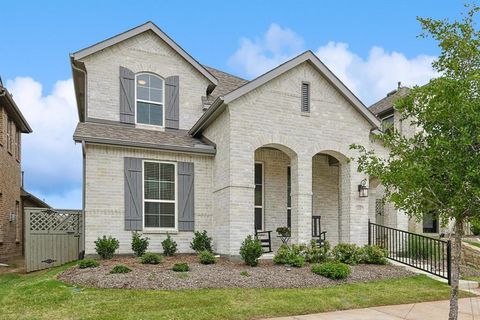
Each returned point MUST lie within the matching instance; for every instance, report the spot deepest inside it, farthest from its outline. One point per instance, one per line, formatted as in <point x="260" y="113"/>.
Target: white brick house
<point x="173" y="146"/>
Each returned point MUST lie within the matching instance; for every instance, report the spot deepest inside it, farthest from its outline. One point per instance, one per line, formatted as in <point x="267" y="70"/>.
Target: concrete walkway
<point x="437" y="310"/>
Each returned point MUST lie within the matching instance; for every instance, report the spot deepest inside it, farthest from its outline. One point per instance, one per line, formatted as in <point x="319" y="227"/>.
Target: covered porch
<point x="319" y="210"/>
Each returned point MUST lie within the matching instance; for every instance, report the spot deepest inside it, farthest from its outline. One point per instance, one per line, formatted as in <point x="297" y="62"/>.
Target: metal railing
<point x="424" y="253"/>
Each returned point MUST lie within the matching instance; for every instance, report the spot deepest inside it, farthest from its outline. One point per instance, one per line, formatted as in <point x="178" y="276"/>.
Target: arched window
<point x="149" y="96"/>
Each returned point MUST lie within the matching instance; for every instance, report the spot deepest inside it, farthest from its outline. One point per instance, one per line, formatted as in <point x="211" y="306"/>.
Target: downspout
<point x="84" y="152"/>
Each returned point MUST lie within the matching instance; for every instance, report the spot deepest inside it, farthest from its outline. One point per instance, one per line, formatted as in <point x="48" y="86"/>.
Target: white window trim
<point x="263" y="197"/>
<point x="151" y="102"/>
<point x="150" y="229"/>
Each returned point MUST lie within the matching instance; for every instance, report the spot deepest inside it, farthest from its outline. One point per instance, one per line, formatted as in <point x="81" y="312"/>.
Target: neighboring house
<point x="12" y="125"/>
<point x="385" y="110"/>
<point x="172" y="146"/>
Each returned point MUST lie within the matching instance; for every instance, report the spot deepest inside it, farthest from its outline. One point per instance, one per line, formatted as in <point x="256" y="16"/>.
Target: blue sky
<point x="369" y="44"/>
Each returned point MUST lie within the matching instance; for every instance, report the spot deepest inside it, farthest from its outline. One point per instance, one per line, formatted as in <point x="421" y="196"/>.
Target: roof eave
<point x="79" y="75"/>
<point x="208" y="117"/>
<point x="17" y="114"/>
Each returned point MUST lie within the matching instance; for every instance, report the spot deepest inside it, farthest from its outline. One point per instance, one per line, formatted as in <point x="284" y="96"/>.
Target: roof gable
<point x="140" y="29"/>
<point x="307" y="56"/>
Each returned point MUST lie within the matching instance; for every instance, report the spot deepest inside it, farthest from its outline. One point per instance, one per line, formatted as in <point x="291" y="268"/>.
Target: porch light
<point x="363" y="189"/>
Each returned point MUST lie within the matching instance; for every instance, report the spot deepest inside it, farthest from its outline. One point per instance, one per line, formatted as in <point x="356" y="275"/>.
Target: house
<point x="385" y="110"/>
<point x="12" y="125"/>
<point x="173" y="146"/>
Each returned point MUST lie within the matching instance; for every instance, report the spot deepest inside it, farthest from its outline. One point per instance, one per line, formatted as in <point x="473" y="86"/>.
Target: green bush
<point x="421" y="248"/>
<point x="106" y="247"/>
<point x="139" y="244"/>
<point x="332" y="270"/>
<point x="245" y="274"/>
<point x="475" y="227"/>
<point x="373" y="255"/>
<point x="169" y="246"/>
<point x="120" y="269"/>
<point x="293" y="257"/>
<point x="88" y="263"/>
<point x="206" y="257"/>
<point x="201" y="241"/>
<point x="180" y="267"/>
<point x="346" y="253"/>
<point x="151" y="258"/>
<point x="251" y="250"/>
<point x="316" y="254"/>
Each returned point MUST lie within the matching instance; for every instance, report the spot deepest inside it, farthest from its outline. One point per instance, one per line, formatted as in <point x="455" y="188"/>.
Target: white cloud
<point x="50" y="159"/>
<point x="369" y="78"/>
<point x="255" y="57"/>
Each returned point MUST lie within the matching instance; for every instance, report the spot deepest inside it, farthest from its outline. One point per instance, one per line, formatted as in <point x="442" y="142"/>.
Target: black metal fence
<point x="428" y="254"/>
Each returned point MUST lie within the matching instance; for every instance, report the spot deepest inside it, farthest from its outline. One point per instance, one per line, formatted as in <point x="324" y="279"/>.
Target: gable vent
<point x="305" y="97"/>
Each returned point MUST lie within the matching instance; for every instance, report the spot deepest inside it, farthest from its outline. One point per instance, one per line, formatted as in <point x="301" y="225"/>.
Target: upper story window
<point x="9" y="135"/>
<point x="150" y="99"/>
<point x="388" y="122"/>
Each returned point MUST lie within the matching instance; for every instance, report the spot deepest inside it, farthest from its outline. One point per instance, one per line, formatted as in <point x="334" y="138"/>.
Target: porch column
<point x="301" y="170"/>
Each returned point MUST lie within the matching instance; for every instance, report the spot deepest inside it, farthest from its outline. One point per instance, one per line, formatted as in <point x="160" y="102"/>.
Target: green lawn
<point x="473" y="243"/>
<point x="41" y="296"/>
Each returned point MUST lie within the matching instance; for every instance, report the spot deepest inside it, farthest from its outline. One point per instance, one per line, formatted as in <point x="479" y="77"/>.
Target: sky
<point x="370" y="45"/>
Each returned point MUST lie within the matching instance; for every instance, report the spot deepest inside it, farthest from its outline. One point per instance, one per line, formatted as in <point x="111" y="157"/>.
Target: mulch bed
<point x="223" y="274"/>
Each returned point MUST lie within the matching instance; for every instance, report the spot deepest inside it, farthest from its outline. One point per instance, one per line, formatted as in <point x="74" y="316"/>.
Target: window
<point x="17" y="144"/>
<point x="160" y="195"/>
<point x="149" y="91"/>
<point x="305" y="97"/>
<point x="9" y="135"/>
<point x="289" y="197"/>
<point x="17" y="222"/>
<point x="430" y="223"/>
<point x="387" y="123"/>
<point x="258" y="196"/>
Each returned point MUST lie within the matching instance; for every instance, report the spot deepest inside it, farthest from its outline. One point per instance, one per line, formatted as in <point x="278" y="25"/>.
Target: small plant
<point x="106" y="247"/>
<point x="283" y="231"/>
<point x="206" y="257"/>
<point x="294" y="257"/>
<point x="120" y="269"/>
<point x="201" y="241"/>
<point x="180" y="267"/>
<point x="151" y="258"/>
<point x="373" y="255"/>
<point x="139" y="244"/>
<point x="169" y="246"/>
<point x="475" y="227"/>
<point x="251" y="250"/>
<point x="88" y="263"/>
<point x="346" y="253"/>
<point x="317" y="254"/>
<point x="332" y="270"/>
<point x="245" y="274"/>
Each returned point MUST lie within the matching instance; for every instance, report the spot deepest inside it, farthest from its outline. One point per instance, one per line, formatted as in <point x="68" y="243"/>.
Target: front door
<point x="259" y="196"/>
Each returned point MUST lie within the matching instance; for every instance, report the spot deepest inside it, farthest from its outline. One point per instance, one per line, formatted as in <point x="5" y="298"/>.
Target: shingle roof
<point x="125" y="135"/>
<point x="388" y="102"/>
<point x="226" y="83"/>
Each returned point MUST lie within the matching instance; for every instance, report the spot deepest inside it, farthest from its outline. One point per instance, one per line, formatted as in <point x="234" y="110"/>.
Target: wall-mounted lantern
<point x="363" y="189"/>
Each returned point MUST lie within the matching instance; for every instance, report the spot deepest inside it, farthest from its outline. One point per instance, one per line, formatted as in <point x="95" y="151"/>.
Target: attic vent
<point x="305" y="97"/>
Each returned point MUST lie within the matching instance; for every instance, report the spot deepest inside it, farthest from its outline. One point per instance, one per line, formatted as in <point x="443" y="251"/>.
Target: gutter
<point x="215" y="109"/>
<point x="81" y="115"/>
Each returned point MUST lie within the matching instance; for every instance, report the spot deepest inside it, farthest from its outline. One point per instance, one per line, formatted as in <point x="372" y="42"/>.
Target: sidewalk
<point x="436" y="310"/>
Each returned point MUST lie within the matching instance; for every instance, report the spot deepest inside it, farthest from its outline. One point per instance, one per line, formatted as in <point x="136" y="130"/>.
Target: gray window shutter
<point x="133" y="194"/>
<point x="305" y="97"/>
<point x="127" y="95"/>
<point x="185" y="196"/>
<point x="172" y="102"/>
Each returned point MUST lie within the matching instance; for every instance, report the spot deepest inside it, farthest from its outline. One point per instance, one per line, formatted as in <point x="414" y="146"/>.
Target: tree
<point x="438" y="167"/>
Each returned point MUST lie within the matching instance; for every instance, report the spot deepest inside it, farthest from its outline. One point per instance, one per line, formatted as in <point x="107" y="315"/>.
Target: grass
<point x="473" y="243"/>
<point x="41" y="296"/>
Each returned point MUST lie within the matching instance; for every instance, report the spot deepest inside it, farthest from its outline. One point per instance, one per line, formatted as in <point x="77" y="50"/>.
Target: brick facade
<point x="11" y="236"/>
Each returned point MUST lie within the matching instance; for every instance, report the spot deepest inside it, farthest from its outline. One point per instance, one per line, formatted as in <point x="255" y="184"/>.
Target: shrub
<point x="206" y="257"/>
<point x="151" y="258"/>
<point x="346" y="253"/>
<point x="332" y="270"/>
<point x="421" y="248"/>
<point x="106" y="247"/>
<point x="169" y="246"/>
<point x="251" y="250"/>
<point x="282" y="255"/>
<point x="120" y="269"/>
<point x="293" y="257"/>
<point x="475" y="227"/>
<point x="201" y="241"/>
<point x="180" y="267"/>
<point x="88" y="263"/>
<point x="317" y="254"/>
<point x="373" y="255"/>
<point x="139" y="244"/>
<point x="283" y="231"/>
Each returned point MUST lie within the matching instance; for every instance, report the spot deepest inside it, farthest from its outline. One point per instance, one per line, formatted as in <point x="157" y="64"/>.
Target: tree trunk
<point x="455" y="275"/>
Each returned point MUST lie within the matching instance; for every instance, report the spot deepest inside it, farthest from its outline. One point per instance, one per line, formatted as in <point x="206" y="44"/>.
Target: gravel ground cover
<point x="223" y="274"/>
